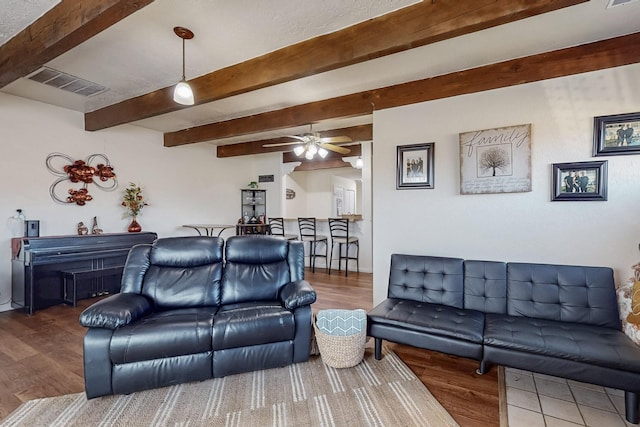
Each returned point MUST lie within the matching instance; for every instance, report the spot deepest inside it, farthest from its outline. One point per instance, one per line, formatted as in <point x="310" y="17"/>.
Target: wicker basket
<point x="340" y="351"/>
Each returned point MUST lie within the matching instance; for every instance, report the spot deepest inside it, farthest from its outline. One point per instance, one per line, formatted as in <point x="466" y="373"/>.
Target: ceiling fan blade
<point x="335" y="139"/>
<point x="281" y="144"/>
<point x="335" y="148"/>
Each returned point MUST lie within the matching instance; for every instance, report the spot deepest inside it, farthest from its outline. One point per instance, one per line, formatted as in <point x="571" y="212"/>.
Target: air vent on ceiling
<point x="614" y="3"/>
<point x="64" y="81"/>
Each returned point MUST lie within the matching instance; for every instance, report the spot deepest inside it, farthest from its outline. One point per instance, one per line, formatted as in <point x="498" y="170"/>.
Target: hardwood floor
<point x="41" y="355"/>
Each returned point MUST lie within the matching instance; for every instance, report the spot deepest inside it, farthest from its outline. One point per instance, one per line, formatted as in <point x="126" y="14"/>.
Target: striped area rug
<point x="373" y="393"/>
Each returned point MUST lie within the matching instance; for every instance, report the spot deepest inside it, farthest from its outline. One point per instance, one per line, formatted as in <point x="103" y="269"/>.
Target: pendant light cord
<point x="183" y="61"/>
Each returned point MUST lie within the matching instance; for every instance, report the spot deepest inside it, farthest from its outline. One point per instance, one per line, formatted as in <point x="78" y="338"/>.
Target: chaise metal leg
<point x="378" y="348"/>
<point x="631" y="407"/>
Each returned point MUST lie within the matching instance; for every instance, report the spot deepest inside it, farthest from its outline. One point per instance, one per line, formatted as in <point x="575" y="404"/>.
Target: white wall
<point x="314" y="192"/>
<point x="510" y="227"/>
<point x="183" y="185"/>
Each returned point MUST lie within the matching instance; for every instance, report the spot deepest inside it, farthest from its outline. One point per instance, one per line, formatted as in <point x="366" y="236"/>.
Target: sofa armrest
<point x="296" y="294"/>
<point x="115" y="311"/>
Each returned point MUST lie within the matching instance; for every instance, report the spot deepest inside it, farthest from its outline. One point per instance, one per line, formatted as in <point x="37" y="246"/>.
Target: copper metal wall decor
<point x="80" y="172"/>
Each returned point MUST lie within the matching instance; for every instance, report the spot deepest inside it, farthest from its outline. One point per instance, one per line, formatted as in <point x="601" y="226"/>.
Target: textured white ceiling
<point x="15" y="15"/>
<point x="141" y="53"/>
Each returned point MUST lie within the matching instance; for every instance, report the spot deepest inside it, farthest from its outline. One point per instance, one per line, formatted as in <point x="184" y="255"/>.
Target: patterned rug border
<point x="384" y="392"/>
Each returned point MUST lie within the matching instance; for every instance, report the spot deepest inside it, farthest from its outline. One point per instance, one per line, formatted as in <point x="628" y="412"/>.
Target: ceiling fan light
<point x="182" y="94"/>
<point x="313" y="149"/>
<point x="322" y="152"/>
<point x="298" y="150"/>
<point x="308" y="155"/>
<point x="359" y="163"/>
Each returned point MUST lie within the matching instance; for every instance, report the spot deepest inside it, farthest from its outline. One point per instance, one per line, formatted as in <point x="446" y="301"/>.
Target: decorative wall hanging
<point x="290" y="194"/>
<point x="496" y="160"/>
<point x="580" y="181"/>
<point x="80" y="172"/>
<point x="617" y="134"/>
<point x="414" y="168"/>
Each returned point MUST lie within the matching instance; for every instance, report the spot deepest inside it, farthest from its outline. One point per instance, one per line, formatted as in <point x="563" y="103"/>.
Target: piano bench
<point x="74" y="276"/>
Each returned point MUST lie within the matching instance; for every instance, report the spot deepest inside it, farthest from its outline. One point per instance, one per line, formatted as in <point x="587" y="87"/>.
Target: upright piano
<point x="38" y="265"/>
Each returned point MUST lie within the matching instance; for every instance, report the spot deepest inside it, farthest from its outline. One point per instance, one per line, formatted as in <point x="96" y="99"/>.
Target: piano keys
<point x="38" y="265"/>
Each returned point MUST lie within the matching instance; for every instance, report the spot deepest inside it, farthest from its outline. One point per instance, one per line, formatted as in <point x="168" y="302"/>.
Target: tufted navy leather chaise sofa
<point x="186" y="313"/>
<point x="553" y="319"/>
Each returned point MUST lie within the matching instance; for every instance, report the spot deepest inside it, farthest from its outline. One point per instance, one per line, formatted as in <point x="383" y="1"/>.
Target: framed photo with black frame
<point x="616" y="135"/>
<point x="580" y="181"/>
<point x="414" y="167"/>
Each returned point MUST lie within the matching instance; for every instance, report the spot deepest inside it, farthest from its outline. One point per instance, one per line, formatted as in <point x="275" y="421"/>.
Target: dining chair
<point x="277" y="229"/>
<point x="308" y="233"/>
<point x="339" y="229"/>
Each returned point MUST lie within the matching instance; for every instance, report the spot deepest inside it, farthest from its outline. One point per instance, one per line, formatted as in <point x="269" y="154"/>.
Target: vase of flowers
<point x="133" y="201"/>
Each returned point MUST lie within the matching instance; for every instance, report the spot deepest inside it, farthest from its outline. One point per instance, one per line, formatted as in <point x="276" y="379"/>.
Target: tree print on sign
<point x="496" y="160"/>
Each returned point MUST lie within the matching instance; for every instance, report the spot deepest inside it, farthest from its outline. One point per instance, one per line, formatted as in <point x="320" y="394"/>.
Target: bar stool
<point x="339" y="228"/>
<point x="308" y="234"/>
<point x="277" y="229"/>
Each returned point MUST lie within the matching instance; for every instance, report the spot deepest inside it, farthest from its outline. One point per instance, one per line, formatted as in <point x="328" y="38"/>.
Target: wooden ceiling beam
<point x="417" y="25"/>
<point x="356" y="133"/>
<point x="588" y="57"/>
<point x="308" y="165"/>
<point x="62" y="28"/>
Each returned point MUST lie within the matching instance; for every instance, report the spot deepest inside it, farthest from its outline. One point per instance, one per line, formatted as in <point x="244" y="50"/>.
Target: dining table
<point x="209" y="229"/>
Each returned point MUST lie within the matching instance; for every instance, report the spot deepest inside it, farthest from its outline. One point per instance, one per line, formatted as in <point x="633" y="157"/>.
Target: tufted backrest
<point x="485" y="286"/>
<point x="562" y="292"/>
<point x="430" y="279"/>
<point x="176" y="272"/>
<point x="258" y="266"/>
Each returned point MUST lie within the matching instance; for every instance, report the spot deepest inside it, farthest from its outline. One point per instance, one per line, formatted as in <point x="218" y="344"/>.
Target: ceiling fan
<point x="311" y="143"/>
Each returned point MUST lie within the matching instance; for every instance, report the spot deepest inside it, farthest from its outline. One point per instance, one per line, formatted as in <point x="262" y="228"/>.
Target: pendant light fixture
<point x="182" y="94"/>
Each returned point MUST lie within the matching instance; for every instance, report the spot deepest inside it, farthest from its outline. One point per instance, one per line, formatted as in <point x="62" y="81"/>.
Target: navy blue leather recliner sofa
<point x="186" y="313"/>
<point x="554" y="319"/>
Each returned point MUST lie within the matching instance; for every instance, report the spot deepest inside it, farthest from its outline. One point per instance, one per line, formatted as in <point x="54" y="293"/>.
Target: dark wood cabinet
<point x="254" y="204"/>
<point x="39" y="264"/>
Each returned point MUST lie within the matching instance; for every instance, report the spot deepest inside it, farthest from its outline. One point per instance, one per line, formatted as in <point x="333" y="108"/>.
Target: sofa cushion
<point x="256" y="268"/>
<point x="436" y="319"/>
<point x="245" y="324"/>
<point x="485" y="286"/>
<point x="164" y="334"/>
<point x="575" y="341"/>
<point x="562" y="292"/>
<point x="178" y="287"/>
<point x="183" y="272"/>
<point x="430" y="279"/>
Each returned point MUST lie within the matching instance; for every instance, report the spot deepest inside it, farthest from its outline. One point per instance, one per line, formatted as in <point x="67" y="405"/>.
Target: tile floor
<point x="537" y="400"/>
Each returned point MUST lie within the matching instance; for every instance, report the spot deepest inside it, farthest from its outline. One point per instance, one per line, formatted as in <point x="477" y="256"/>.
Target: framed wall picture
<point x="414" y="167"/>
<point x="616" y="135"/>
<point x="581" y="181"/>
<point x="496" y="160"/>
